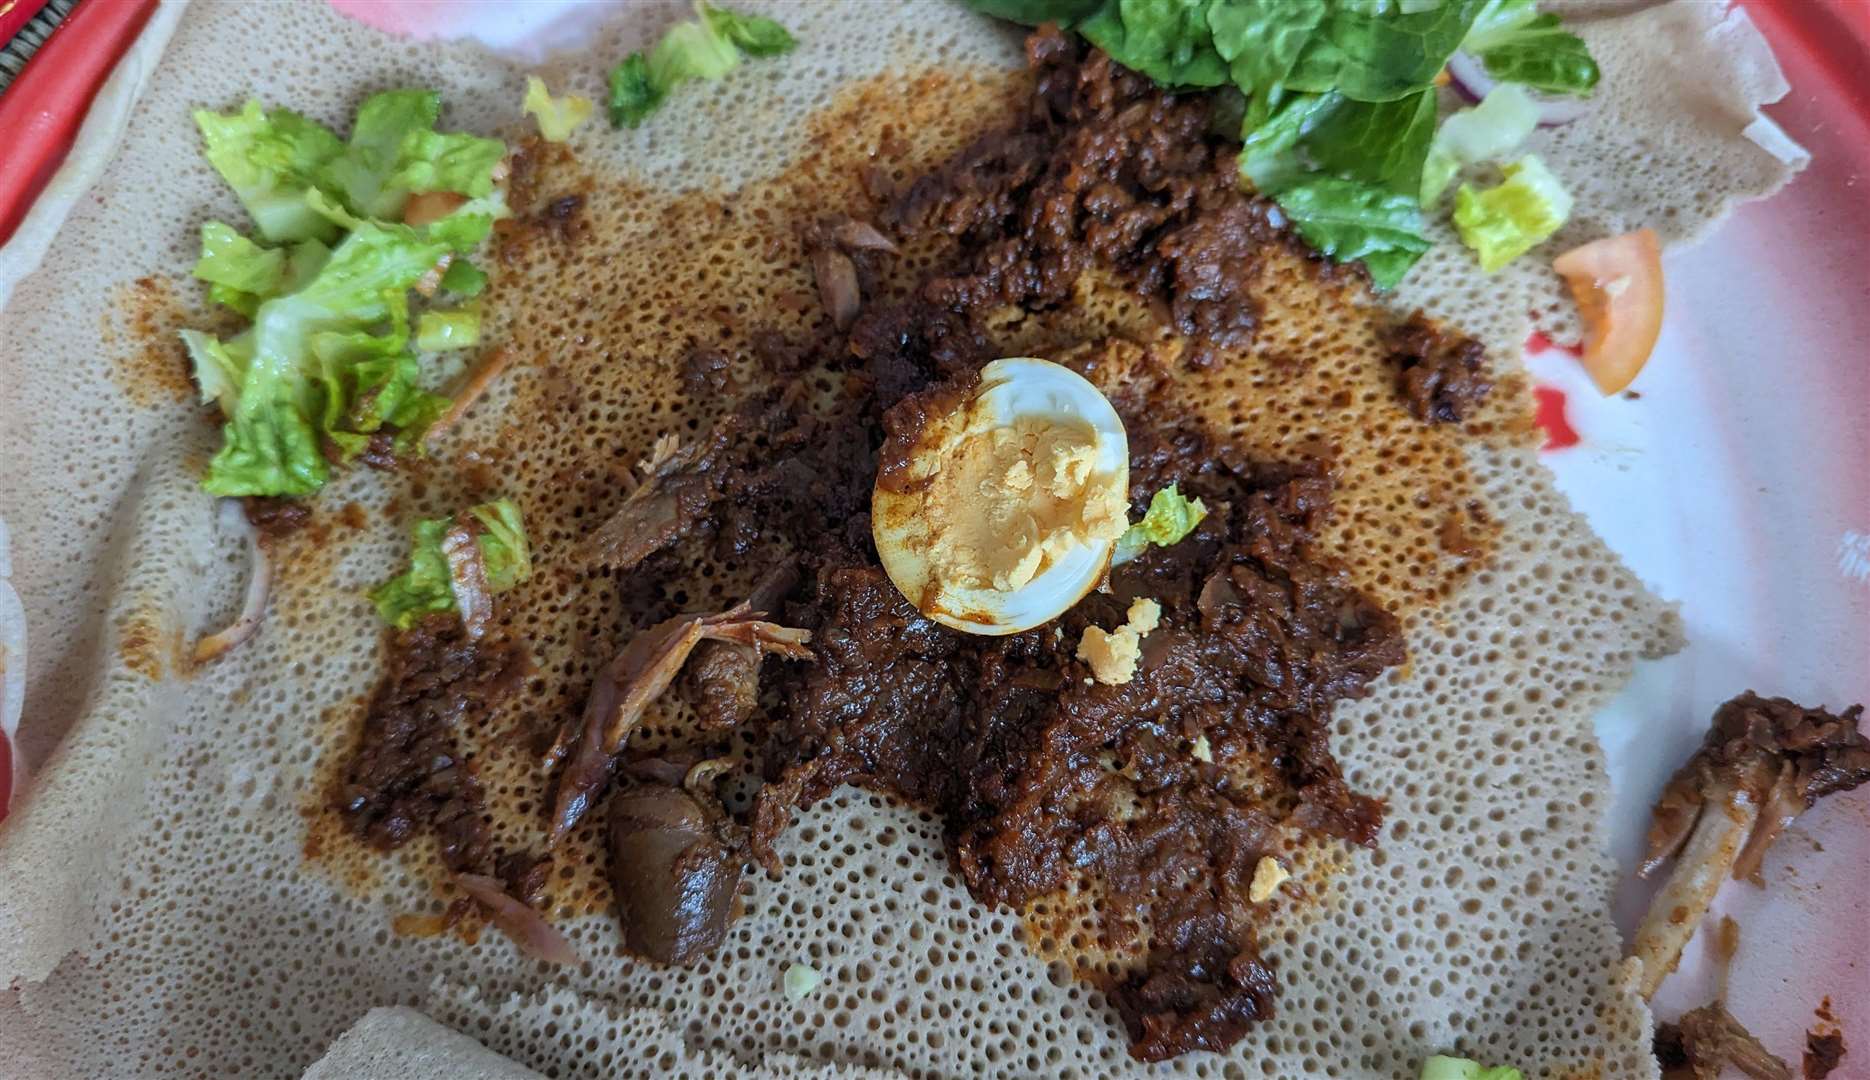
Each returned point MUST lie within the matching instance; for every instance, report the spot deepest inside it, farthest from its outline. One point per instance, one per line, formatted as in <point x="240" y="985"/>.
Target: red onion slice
<point x="259" y="587"/>
<point x="1471" y="80"/>
<point x="467" y="577"/>
<point x="527" y="928"/>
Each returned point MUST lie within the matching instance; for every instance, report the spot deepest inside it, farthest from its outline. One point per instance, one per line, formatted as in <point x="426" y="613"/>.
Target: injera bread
<point x="176" y="902"/>
<point x="398" y="1043"/>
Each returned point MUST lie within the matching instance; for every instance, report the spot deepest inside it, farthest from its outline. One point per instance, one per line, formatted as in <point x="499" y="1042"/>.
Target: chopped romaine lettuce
<point x="1519" y="45"/>
<point x="1167" y="40"/>
<point x="395" y="151"/>
<point x="1382" y="143"/>
<point x="558" y="117"/>
<point x="1379" y="53"/>
<point x="704" y="48"/>
<point x="755" y="35"/>
<point x="1274" y="125"/>
<point x="509" y="559"/>
<point x="1502" y="223"/>
<point x="632" y="95"/>
<point x="1440" y="1067"/>
<point x="425" y="588"/>
<point x="269" y="446"/>
<point x="691" y="50"/>
<point x="218" y="370"/>
<point x="1170" y="517"/>
<point x="1348" y="220"/>
<point x="1339" y="124"/>
<point x="1034" y="12"/>
<point x="1486" y="132"/>
<point x="245" y="303"/>
<point x="328" y="361"/>
<point x="1262" y="42"/>
<point x="441" y="331"/>
<point x="230" y="259"/>
<point x="463" y="278"/>
<point x="271" y="159"/>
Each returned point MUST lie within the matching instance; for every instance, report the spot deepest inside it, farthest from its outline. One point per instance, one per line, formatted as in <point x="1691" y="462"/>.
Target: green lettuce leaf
<point x="1502" y="223"/>
<point x="441" y="331"/>
<point x="1170" y="517"/>
<point x="1347" y="220"/>
<point x="463" y="278"/>
<point x="470" y="225"/>
<point x="1486" y="132"/>
<point x="691" y="50"/>
<point x="218" y="369"/>
<point x="425" y="588"/>
<point x="1276" y="122"/>
<point x="1167" y="40"/>
<point x="503" y="544"/>
<point x="1517" y="44"/>
<point x="371" y="380"/>
<point x="755" y="35"/>
<point x="633" y="96"/>
<point x="395" y="151"/>
<point x="1372" y="52"/>
<point x="558" y="117"/>
<point x="245" y="303"/>
<point x="231" y="260"/>
<point x="1034" y="12"/>
<point x="328" y="361"/>
<point x="271" y="159"/>
<point x="1440" y="1067"/>
<point x="268" y="378"/>
<point x="705" y="48"/>
<point x="269" y="447"/>
<point x="1262" y="40"/>
<point x="1383" y="143"/>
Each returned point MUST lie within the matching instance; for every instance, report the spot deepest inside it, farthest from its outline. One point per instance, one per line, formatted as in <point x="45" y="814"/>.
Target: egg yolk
<point x="1008" y="500"/>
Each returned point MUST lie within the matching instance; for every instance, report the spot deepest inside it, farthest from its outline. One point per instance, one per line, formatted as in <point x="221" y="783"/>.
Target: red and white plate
<point x="1736" y="482"/>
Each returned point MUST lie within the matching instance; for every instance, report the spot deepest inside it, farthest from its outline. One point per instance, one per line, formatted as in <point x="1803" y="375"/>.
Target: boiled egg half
<point x="1006" y="506"/>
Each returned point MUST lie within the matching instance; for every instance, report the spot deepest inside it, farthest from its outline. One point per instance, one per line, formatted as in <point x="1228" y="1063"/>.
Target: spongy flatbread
<point x="399" y="1043"/>
<point x="160" y="909"/>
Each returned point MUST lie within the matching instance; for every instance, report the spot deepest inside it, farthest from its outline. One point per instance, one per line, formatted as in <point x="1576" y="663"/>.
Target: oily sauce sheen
<point x="1072" y="212"/>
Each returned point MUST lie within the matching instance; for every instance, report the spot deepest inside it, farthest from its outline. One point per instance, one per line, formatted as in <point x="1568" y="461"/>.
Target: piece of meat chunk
<point x="724" y="676"/>
<point x="1763" y="762"/>
<point x="625" y="687"/>
<point x="406" y="771"/>
<point x="1440" y="374"/>
<point x="1705" y="1041"/>
<point x="680" y="484"/>
<point x="675" y="865"/>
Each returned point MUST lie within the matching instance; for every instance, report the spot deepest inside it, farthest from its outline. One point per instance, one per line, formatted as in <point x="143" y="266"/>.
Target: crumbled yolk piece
<point x="1012" y="499"/>
<point x="1113" y="654"/>
<point x="1268" y="875"/>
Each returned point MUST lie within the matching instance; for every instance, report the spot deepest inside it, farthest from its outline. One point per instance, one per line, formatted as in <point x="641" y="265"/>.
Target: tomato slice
<point x="1618" y="286"/>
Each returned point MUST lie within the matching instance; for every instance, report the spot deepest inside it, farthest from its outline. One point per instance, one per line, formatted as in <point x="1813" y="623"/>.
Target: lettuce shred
<point x="328" y="360"/>
<point x="425" y="588"/>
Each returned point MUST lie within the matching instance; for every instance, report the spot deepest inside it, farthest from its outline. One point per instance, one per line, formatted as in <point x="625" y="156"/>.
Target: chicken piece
<point x="831" y="246"/>
<point x="680" y="485"/>
<point x="1764" y="761"/>
<point x="675" y="866"/>
<point x="724" y="676"/>
<point x="1706" y="1040"/>
<point x="626" y="686"/>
